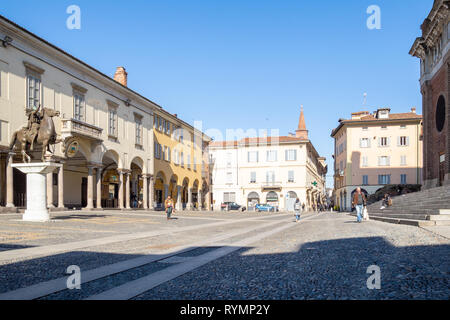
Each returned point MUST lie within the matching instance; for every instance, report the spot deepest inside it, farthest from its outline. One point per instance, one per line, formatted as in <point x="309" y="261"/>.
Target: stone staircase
<point x="430" y="207"/>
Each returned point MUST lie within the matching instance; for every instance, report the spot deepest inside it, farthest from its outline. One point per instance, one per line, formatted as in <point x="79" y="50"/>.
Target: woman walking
<point x="169" y="206"/>
<point x="297" y="209"/>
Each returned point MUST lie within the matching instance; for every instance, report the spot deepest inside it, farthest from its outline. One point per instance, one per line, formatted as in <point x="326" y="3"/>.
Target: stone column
<point x="9" y="182"/>
<point x="127" y="190"/>
<point x="179" y="205"/>
<point x="190" y="205"/>
<point x="50" y="190"/>
<point x="37" y="189"/>
<point x="208" y="200"/>
<point x="99" y="188"/>
<point x="199" y="199"/>
<point x="151" y="194"/>
<point x="90" y="188"/>
<point x="145" y="185"/>
<point x="120" y="189"/>
<point x="61" y="185"/>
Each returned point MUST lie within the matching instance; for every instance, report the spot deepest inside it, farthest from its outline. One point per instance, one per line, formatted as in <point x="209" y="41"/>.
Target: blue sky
<point x="246" y="64"/>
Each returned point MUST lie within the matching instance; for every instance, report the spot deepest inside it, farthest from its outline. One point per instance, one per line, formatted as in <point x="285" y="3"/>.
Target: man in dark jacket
<point x="359" y="201"/>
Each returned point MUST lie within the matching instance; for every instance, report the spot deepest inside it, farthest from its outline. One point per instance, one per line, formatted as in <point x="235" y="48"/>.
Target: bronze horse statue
<point x="45" y="137"/>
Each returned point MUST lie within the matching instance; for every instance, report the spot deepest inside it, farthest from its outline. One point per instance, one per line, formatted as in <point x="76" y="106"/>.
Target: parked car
<point x="265" y="207"/>
<point x="231" y="206"/>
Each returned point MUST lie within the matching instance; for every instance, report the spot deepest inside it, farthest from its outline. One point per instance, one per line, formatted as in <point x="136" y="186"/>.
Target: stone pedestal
<point x="36" y="189"/>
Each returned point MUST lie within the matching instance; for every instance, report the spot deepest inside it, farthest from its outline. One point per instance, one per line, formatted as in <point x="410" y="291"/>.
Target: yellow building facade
<point x="179" y="166"/>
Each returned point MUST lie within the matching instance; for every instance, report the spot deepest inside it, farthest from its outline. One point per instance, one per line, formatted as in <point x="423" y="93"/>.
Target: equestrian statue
<point x="40" y="130"/>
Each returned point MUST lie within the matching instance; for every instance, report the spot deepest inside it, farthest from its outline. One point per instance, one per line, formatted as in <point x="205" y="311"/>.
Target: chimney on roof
<point x="175" y="115"/>
<point x="301" y="131"/>
<point x="121" y="76"/>
<point x="413" y="109"/>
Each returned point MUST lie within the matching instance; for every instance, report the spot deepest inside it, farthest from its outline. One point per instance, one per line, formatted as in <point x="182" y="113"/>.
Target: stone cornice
<point x="432" y="28"/>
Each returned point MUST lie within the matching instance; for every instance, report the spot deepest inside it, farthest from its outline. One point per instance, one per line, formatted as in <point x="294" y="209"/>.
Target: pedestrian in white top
<point x="297" y="209"/>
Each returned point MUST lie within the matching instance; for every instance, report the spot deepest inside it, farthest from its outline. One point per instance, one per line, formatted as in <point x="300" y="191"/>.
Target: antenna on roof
<point x="365" y="98"/>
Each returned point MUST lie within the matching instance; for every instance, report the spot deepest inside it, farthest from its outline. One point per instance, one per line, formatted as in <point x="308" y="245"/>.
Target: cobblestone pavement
<point x="221" y="255"/>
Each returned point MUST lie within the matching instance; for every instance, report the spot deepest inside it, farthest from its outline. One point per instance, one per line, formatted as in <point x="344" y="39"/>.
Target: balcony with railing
<point x="73" y="127"/>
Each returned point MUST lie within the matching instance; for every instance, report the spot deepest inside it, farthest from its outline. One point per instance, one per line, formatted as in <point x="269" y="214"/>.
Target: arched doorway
<point x="291" y="197"/>
<point x="136" y="185"/>
<point x="272" y="199"/>
<point x="184" y="193"/>
<point x="173" y="188"/>
<point x="76" y="180"/>
<point x="160" y="180"/>
<point x="110" y="181"/>
<point x="252" y="201"/>
<point x="195" y="194"/>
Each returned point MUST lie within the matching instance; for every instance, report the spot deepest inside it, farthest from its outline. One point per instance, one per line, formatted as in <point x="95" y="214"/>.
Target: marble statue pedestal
<point x="36" y="189"/>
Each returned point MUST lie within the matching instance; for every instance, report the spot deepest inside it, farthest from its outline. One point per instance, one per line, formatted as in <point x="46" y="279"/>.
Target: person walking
<point x="297" y="209"/>
<point x="359" y="202"/>
<point x="169" y="206"/>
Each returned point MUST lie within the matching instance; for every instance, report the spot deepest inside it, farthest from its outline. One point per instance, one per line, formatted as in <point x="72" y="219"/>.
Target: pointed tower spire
<point x="301" y="131"/>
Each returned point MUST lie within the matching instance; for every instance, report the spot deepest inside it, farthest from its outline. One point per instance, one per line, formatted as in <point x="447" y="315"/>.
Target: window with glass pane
<point x="403" y="178"/>
<point x="182" y="159"/>
<point x="384" y="179"/>
<point x="270" y="176"/>
<point x="365" y="161"/>
<point x="34" y="91"/>
<point x="78" y="106"/>
<point x="291" y="176"/>
<point x="113" y="122"/>
<point x="138" y="131"/>
<point x="364" y="142"/>
<point x="383" y="161"/>
<point x="272" y="155"/>
<point x="291" y="155"/>
<point x="252" y="177"/>
<point x="403" y="141"/>
<point x="403" y="160"/>
<point x="365" y="179"/>
<point x="188" y="161"/>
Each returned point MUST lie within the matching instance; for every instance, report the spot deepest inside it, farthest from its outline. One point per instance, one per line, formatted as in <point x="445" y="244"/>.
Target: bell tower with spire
<point x="301" y="131"/>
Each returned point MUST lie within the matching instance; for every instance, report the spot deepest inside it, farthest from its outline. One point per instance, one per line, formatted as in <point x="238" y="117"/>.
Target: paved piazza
<point x="219" y="255"/>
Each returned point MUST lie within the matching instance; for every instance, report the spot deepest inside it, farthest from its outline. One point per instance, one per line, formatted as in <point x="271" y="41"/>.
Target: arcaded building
<point x="118" y="148"/>
<point x="432" y="48"/>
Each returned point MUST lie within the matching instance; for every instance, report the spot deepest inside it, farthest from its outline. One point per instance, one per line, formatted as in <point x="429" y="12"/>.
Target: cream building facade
<point x="273" y="170"/>
<point x="373" y="150"/>
<point x="107" y="129"/>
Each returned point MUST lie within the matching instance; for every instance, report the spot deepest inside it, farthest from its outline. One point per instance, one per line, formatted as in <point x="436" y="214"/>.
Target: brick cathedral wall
<point x="436" y="142"/>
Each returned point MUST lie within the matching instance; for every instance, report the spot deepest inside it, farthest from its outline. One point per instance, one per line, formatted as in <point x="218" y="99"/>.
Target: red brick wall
<point x="435" y="142"/>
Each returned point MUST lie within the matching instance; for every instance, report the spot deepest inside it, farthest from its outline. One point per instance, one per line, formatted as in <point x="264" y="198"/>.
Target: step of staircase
<point x="410" y="222"/>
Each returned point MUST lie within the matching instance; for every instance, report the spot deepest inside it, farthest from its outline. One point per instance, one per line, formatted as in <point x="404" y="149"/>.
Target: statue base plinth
<point x="36" y="189"/>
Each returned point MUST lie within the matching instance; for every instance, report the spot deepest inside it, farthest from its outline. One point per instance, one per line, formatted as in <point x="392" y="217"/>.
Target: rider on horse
<point x="34" y="122"/>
